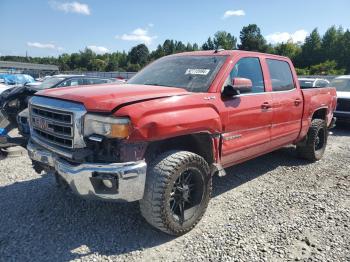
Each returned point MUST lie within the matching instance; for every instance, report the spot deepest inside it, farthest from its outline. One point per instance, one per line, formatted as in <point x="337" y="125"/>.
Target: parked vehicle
<point x="313" y="82"/>
<point x="16" y="79"/>
<point x="15" y="99"/>
<point x="159" y="138"/>
<point x="342" y="84"/>
<point x="3" y="87"/>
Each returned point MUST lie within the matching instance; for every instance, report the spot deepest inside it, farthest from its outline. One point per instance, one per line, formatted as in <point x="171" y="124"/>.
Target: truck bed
<point x="314" y="99"/>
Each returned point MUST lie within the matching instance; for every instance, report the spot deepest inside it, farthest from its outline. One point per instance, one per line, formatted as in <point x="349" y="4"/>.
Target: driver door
<point x="249" y="115"/>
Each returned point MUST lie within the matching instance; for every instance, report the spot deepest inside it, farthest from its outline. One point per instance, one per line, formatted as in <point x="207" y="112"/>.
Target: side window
<point x="281" y="75"/>
<point x="321" y="83"/>
<point x="99" y="81"/>
<point x="250" y="68"/>
<point x="94" y="81"/>
<point x="76" y="82"/>
<point x="63" y="84"/>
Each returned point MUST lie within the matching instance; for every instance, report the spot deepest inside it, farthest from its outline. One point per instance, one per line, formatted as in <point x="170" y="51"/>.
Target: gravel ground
<point x="273" y="208"/>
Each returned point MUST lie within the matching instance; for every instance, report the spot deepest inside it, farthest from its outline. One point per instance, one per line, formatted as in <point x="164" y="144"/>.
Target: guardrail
<point x="124" y="75"/>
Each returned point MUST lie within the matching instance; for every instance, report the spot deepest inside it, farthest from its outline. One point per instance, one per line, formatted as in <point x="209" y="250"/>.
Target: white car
<point x="342" y="84"/>
<point x="313" y="82"/>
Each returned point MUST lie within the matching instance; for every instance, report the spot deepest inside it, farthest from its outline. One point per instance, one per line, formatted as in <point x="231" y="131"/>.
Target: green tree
<point x="330" y="41"/>
<point x="189" y="47"/>
<point x="139" y="55"/>
<point x="302" y="71"/>
<point x="252" y="39"/>
<point x="311" y="49"/>
<point x="195" y="47"/>
<point x="168" y="47"/>
<point x="288" y="49"/>
<point x="208" y="45"/>
<point x="179" y="47"/>
<point x="343" y="48"/>
<point x="224" y="40"/>
<point x="86" y="57"/>
<point x="63" y="62"/>
<point x="97" y="65"/>
<point x="326" y="68"/>
<point x="133" y="67"/>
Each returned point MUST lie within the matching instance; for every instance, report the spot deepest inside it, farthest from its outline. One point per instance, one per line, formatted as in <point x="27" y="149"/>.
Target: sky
<point x="53" y="27"/>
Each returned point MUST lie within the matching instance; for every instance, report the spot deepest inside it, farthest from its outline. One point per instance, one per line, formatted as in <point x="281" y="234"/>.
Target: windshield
<point x="193" y="73"/>
<point x="306" y="83"/>
<point x="50" y="82"/>
<point x="341" y="84"/>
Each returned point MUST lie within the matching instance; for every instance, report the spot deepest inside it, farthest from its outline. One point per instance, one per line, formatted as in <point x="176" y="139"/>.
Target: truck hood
<point x="105" y="98"/>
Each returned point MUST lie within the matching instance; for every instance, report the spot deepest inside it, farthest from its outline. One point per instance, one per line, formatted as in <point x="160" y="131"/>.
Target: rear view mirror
<point x="243" y="85"/>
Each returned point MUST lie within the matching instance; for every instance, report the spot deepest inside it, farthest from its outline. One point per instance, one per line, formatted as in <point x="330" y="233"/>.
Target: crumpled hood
<point x="105" y="98"/>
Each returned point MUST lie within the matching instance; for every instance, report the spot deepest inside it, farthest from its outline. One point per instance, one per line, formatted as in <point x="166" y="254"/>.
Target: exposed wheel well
<point x="320" y="114"/>
<point x="200" y="144"/>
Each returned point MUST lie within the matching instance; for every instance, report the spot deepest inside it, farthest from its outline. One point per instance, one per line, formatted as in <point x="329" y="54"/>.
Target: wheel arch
<point x="201" y="144"/>
<point x="320" y="113"/>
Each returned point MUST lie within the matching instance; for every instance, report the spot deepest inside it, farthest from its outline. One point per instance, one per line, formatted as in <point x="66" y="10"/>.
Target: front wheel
<point x="316" y="141"/>
<point x="177" y="193"/>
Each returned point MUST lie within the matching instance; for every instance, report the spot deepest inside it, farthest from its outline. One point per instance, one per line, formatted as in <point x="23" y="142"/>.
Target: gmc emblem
<point x="41" y="123"/>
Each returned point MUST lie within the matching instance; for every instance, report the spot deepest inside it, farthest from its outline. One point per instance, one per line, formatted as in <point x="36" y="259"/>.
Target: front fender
<point x="166" y="118"/>
<point x="170" y="124"/>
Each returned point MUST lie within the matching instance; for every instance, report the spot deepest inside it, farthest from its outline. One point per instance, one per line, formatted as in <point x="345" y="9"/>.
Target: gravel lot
<point x="273" y="208"/>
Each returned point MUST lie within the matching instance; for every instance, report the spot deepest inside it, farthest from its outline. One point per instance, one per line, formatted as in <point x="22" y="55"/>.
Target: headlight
<point x="108" y="126"/>
<point x="14" y="103"/>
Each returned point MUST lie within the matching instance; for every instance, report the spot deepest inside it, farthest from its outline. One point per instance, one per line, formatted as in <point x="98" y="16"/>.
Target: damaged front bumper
<point x="104" y="181"/>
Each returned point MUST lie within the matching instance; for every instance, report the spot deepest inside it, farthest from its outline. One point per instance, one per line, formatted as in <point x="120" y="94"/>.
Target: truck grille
<point x="343" y="104"/>
<point x="53" y="126"/>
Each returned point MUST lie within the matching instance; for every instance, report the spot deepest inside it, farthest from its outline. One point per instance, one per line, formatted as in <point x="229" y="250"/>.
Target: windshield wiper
<point x="152" y="84"/>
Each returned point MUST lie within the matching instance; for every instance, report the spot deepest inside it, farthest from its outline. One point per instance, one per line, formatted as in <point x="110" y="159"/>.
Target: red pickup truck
<point x="161" y="137"/>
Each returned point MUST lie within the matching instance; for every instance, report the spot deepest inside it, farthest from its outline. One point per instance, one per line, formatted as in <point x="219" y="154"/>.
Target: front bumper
<point x="104" y="181"/>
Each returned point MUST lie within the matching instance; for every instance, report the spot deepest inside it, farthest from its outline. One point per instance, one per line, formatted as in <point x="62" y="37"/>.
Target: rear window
<point x="306" y="83"/>
<point x="281" y="75"/>
<point x="341" y="84"/>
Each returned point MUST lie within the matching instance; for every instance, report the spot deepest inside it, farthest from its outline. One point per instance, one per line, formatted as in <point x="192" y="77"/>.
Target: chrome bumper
<point x="112" y="181"/>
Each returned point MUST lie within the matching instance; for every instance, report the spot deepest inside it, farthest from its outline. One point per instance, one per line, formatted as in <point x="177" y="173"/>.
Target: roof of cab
<point x="222" y="52"/>
<point x="343" y="77"/>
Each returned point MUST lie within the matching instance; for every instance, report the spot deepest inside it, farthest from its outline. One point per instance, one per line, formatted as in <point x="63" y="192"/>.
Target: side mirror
<point x="239" y="85"/>
<point x="243" y="85"/>
<point x="230" y="91"/>
<point x="2" y="81"/>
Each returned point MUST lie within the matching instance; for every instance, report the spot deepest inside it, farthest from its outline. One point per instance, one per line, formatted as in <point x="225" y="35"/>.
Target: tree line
<point x="327" y="54"/>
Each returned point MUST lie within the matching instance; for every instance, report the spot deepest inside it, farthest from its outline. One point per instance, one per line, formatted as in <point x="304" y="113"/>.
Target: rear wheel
<point x="315" y="145"/>
<point x="177" y="193"/>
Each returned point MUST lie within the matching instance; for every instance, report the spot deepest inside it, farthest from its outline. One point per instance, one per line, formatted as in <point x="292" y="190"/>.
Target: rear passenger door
<point x="287" y="103"/>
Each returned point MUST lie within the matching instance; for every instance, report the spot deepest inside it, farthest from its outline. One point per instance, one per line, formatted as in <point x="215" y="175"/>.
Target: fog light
<point x="107" y="183"/>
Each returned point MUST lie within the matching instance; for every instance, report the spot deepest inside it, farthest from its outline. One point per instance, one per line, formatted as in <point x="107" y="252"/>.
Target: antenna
<point x="219" y="49"/>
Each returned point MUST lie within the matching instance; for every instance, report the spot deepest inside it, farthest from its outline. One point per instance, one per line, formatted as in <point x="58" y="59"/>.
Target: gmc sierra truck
<point x="161" y="137"/>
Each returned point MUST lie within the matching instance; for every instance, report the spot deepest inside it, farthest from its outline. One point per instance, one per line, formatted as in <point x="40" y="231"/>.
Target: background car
<point x="15" y="100"/>
<point x="3" y="87"/>
<point x="313" y="82"/>
<point x="16" y="79"/>
<point x="342" y="84"/>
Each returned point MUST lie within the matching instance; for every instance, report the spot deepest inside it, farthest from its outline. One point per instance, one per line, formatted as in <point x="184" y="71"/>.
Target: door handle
<point x="297" y="101"/>
<point x="265" y="105"/>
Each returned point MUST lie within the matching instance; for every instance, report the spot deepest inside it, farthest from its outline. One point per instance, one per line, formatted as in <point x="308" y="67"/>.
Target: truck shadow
<point x="40" y="221"/>
<point x="247" y="171"/>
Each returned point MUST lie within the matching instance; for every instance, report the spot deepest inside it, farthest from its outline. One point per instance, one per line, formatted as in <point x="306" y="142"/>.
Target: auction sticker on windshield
<point x="203" y="72"/>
